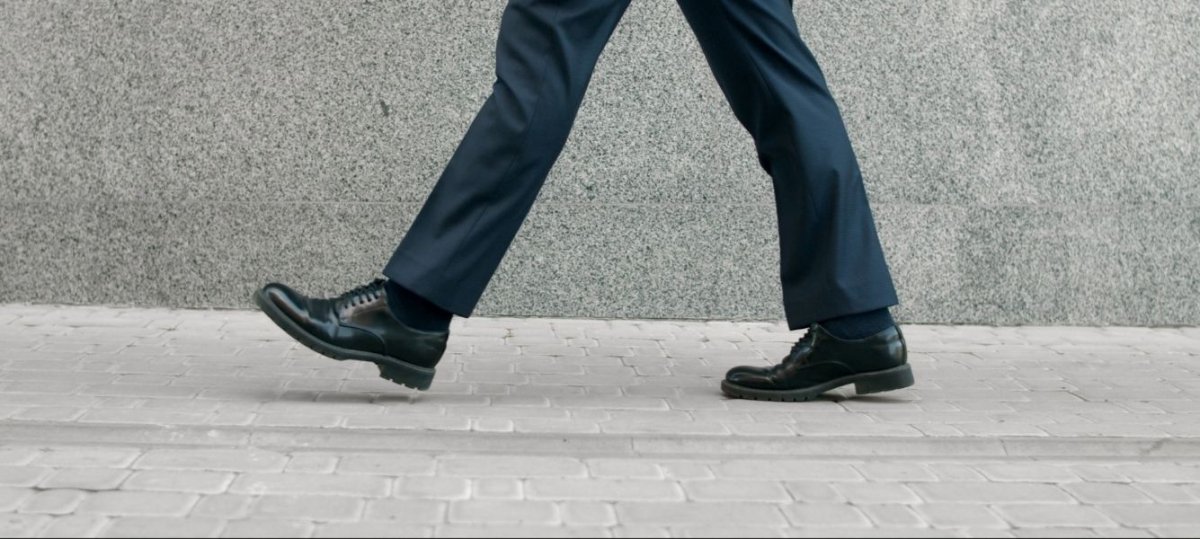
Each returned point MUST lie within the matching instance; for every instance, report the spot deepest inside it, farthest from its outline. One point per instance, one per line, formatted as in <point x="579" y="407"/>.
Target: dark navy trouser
<point x="831" y="263"/>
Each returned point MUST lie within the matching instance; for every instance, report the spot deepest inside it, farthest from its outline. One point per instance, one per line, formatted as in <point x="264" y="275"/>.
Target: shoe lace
<point x="360" y="295"/>
<point x="804" y="341"/>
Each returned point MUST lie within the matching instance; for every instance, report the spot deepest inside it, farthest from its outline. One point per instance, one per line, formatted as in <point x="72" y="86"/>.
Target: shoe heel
<point x="417" y="380"/>
<point x="889" y="380"/>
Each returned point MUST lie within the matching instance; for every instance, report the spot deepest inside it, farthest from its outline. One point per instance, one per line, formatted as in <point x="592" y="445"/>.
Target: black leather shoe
<point x="357" y="325"/>
<point x="820" y="362"/>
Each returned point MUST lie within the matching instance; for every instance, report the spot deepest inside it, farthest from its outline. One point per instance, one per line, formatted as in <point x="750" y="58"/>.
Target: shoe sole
<point x="390" y="368"/>
<point x="865" y="384"/>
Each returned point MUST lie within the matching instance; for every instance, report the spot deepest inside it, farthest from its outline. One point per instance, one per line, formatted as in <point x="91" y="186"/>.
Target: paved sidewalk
<point x="120" y="422"/>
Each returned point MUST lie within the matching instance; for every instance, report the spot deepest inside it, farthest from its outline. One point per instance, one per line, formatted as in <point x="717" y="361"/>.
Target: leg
<point x="831" y="262"/>
<point x="545" y="56"/>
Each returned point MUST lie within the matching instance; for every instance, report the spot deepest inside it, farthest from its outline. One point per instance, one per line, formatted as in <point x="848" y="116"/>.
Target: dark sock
<point x="859" y="326"/>
<point x="415" y="311"/>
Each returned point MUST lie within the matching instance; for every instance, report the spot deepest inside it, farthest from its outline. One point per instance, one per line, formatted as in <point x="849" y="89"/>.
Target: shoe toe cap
<point x="755" y="377"/>
<point x="283" y="298"/>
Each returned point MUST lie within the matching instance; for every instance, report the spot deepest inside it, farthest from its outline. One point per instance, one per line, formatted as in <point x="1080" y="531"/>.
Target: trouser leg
<point x="545" y="55"/>
<point x="831" y="262"/>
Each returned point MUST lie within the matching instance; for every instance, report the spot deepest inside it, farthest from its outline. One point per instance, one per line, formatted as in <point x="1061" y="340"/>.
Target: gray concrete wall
<point x="1029" y="161"/>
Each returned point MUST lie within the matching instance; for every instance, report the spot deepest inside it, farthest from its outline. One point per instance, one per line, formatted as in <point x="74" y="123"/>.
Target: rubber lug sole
<point x="391" y="369"/>
<point x="864" y="384"/>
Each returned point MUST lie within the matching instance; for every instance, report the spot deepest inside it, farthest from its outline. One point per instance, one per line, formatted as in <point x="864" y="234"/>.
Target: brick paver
<point x="154" y="422"/>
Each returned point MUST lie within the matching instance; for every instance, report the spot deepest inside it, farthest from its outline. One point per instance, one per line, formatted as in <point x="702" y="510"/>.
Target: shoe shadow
<point x="384" y="398"/>
<point x="882" y="399"/>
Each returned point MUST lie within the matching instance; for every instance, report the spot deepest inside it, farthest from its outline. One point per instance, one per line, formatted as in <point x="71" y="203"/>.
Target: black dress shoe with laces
<point x="357" y="325"/>
<point x="820" y="362"/>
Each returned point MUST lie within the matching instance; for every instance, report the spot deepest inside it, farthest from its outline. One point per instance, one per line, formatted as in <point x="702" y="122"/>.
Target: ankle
<point x="415" y="311"/>
<point x="859" y="325"/>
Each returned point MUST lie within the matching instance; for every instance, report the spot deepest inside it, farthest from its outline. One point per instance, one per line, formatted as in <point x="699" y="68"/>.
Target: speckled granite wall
<point x="1028" y="161"/>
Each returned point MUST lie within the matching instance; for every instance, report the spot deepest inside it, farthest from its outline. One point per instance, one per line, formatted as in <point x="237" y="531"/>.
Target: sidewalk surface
<point x="126" y="422"/>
